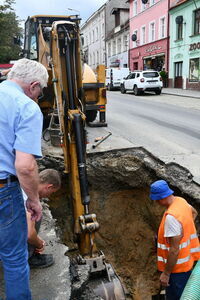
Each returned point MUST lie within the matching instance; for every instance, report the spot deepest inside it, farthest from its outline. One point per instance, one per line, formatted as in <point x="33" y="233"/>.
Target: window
<point x="194" y="71"/>
<point x="125" y="43"/>
<point x="135" y="8"/>
<point x="119" y="45"/>
<point x="179" y="31"/>
<point x="33" y="47"/>
<point x="102" y="33"/>
<point x="135" y="42"/>
<point x="114" y="48"/>
<point x="162" y="27"/>
<point x="178" y="69"/>
<point x="150" y="74"/>
<point x="143" y="6"/>
<point x="143" y="33"/>
<point x="109" y="49"/>
<point x="117" y="19"/>
<point x="97" y="33"/>
<point x="97" y="57"/>
<point x="93" y="58"/>
<point x="132" y="76"/>
<point x="197" y="21"/>
<point x="93" y="36"/>
<point x="152" y="32"/>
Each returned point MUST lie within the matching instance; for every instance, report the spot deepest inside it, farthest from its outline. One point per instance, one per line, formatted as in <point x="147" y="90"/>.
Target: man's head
<point x="49" y="182"/>
<point x="31" y="75"/>
<point x="161" y="192"/>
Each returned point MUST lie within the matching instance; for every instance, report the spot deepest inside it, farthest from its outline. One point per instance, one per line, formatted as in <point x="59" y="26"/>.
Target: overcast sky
<point x="25" y="8"/>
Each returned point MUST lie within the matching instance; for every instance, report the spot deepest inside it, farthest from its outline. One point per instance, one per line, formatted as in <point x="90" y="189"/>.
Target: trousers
<point x="13" y="243"/>
<point x="177" y="283"/>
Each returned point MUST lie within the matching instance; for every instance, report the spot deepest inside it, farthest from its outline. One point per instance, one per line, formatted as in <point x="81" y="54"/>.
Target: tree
<point x="9" y="29"/>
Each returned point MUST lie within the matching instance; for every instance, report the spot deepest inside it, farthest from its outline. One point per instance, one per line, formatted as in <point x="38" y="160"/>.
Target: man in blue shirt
<point x="20" y="144"/>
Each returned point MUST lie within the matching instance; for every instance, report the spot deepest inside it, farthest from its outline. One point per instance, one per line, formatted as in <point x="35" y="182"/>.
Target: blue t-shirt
<point x="20" y="126"/>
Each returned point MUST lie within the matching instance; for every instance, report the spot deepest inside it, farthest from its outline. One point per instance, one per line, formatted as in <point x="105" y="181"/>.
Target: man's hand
<point x="41" y="249"/>
<point x="164" y="279"/>
<point x="35" y="209"/>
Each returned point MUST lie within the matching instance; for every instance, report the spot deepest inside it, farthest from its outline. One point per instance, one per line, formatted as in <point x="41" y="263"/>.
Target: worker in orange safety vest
<point x="178" y="244"/>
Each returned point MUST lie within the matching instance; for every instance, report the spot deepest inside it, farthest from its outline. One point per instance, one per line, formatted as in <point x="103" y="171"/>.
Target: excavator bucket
<point x="108" y="288"/>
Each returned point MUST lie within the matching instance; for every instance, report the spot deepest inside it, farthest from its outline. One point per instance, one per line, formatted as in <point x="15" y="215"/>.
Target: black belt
<point x="12" y="178"/>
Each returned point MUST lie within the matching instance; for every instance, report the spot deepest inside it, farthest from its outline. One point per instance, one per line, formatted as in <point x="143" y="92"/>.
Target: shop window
<point x="197" y="21"/>
<point x="194" y="70"/>
<point x="179" y="34"/>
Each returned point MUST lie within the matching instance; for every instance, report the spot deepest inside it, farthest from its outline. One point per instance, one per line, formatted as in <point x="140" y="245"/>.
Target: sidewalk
<point x="181" y="92"/>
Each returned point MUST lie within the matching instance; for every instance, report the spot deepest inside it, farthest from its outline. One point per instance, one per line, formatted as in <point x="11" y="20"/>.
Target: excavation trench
<point x="119" y="187"/>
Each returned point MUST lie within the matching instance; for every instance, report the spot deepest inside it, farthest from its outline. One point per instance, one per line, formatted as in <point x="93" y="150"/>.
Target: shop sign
<point x="153" y="48"/>
<point x="194" y="46"/>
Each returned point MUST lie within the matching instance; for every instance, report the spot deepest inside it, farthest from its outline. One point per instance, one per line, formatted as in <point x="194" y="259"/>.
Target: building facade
<point x="117" y="33"/>
<point x="184" y="71"/>
<point x="93" y="33"/>
<point x="149" y="38"/>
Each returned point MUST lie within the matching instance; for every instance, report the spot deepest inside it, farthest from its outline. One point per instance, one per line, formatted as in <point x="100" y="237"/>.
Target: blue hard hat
<point x="159" y="190"/>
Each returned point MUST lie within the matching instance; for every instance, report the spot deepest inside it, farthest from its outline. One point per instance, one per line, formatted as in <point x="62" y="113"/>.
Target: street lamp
<point x="72" y="9"/>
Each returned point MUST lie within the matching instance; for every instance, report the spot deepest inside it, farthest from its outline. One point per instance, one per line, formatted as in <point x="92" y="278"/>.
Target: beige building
<point x="93" y="33"/>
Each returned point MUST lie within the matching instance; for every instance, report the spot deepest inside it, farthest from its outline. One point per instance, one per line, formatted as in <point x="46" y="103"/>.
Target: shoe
<point x="40" y="260"/>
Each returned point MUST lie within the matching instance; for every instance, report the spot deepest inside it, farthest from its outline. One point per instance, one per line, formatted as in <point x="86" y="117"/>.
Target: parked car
<point x="141" y="81"/>
<point x="114" y="77"/>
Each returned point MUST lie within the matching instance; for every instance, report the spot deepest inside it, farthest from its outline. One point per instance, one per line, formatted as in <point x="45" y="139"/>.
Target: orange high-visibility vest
<point x="189" y="248"/>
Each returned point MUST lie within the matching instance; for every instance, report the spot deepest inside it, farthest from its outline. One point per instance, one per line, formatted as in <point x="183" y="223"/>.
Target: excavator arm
<point x="59" y="50"/>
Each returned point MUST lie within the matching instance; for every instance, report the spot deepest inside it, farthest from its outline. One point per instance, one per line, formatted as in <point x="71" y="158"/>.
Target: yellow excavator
<point x="55" y="42"/>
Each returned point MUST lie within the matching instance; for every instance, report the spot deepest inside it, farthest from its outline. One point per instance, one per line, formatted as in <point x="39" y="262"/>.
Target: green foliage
<point x="9" y="28"/>
<point x="163" y="74"/>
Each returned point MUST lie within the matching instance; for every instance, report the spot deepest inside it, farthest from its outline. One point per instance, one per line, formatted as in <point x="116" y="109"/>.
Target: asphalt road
<point x="167" y="126"/>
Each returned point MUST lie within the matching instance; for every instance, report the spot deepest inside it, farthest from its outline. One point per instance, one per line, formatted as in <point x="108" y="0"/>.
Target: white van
<point x="114" y="77"/>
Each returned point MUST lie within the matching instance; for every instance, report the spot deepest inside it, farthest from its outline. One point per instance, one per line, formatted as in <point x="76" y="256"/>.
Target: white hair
<point x="29" y="71"/>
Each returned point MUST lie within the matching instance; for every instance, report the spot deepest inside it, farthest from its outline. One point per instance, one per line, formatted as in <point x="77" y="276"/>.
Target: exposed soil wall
<point x="119" y="187"/>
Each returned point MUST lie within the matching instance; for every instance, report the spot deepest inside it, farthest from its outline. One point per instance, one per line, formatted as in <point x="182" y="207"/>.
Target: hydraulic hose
<point x="192" y="288"/>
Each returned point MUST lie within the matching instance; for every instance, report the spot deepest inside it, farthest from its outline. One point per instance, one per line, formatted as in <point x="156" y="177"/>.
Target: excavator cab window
<point x="30" y="43"/>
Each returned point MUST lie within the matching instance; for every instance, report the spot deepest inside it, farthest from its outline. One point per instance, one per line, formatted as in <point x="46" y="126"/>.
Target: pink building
<point x="149" y="41"/>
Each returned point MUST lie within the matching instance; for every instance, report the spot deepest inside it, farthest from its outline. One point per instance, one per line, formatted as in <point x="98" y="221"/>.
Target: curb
<point x="181" y="95"/>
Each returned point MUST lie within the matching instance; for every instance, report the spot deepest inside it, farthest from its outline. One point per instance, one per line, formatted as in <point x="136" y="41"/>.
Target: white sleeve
<point x="172" y="227"/>
<point x="24" y="197"/>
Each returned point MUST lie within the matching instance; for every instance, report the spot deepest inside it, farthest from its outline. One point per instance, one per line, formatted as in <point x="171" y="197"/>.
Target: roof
<point x="178" y="3"/>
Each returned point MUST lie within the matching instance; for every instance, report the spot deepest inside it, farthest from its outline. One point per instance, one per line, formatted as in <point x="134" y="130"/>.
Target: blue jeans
<point x="13" y="243"/>
<point x="177" y="283"/>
